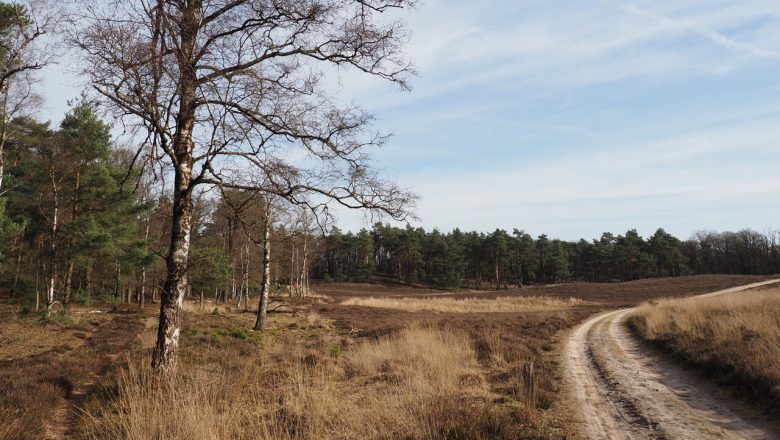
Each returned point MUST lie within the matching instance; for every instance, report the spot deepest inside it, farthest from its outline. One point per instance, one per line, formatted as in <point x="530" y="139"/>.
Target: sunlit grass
<point x="467" y="305"/>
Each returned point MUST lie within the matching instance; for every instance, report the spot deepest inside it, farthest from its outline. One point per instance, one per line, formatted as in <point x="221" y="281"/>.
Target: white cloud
<point x="461" y="45"/>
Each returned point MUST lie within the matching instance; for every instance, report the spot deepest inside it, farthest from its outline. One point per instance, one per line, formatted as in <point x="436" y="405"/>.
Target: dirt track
<point x="624" y="391"/>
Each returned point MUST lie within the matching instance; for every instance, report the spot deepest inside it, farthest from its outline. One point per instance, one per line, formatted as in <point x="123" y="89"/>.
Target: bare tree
<point x="232" y="93"/>
<point x="22" y="52"/>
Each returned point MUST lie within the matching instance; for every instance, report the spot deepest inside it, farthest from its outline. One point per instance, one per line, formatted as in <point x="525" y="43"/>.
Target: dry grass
<point x="22" y="339"/>
<point x="419" y="383"/>
<point x="37" y="388"/>
<point x="735" y="336"/>
<point x="467" y="305"/>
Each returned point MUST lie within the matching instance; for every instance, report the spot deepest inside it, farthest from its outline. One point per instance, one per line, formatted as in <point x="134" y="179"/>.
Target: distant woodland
<point x="501" y="259"/>
<point x="79" y="222"/>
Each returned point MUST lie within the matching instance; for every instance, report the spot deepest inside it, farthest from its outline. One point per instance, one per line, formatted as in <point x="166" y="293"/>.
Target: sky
<point x="576" y="118"/>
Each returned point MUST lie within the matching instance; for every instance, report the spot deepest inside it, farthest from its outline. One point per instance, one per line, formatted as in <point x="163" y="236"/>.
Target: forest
<point x="79" y="224"/>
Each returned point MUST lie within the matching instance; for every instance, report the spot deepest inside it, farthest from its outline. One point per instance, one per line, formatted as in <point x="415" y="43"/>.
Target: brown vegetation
<point x="39" y="388"/>
<point x="613" y="295"/>
<point x="304" y="383"/>
<point x="735" y="337"/>
<point x="467" y="305"/>
<point x="322" y="368"/>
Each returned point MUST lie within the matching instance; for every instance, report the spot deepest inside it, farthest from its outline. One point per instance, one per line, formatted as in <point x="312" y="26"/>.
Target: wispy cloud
<point x="700" y="27"/>
<point x="572" y="118"/>
<point x="462" y="45"/>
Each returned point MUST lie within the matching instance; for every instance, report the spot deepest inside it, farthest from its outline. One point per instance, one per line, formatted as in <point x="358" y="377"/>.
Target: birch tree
<point x="234" y="93"/>
<point x="265" y="287"/>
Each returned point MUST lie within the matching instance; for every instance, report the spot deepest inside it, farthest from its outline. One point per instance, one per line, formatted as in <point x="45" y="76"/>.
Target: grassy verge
<point x="733" y="337"/>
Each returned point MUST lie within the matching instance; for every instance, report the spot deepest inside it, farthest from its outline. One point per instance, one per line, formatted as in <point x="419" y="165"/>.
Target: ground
<point x="58" y="378"/>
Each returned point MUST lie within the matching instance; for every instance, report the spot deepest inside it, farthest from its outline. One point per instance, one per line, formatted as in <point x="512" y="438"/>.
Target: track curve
<point x="623" y="391"/>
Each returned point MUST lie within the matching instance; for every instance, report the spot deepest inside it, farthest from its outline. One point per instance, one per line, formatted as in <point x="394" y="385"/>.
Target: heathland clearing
<point x="325" y="367"/>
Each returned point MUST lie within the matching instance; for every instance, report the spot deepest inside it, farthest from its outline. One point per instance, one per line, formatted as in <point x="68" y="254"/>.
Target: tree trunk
<point x="242" y="286"/>
<point x="521" y="275"/>
<point x="166" y="349"/>
<point x="2" y="162"/>
<point x="246" y="275"/>
<point x="88" y="278"/>
<point x="68" y="285"/>
<point x="142" y="295"/>
<point x="263" y="301"/>
<point x="142" y="290"/>
<point x="496" y="270"/>
<point x="117" y="275"/>
<point x="232" y="284"/>
<point x="37" y="289"/>
<point x="3" y="132"/>
<point x="175" y="287"/>
<point x="304" y="272"/>
<point x="17" y="272"/>
<point x="73" y="214"/>
<point x="292" y="268"/>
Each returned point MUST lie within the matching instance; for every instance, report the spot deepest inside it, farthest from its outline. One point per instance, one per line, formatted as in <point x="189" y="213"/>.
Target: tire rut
<point x="626" y="392"/>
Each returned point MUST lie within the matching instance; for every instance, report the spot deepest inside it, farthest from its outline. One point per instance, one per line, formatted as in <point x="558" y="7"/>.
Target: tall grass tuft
<point x="420" y="383"/>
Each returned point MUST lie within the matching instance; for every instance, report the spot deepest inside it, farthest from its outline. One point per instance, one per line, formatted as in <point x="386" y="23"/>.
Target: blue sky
<point x="575" y="118"/>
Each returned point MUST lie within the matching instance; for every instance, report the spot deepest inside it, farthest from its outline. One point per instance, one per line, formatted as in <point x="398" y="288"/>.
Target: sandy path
<point x="623" y="391"/>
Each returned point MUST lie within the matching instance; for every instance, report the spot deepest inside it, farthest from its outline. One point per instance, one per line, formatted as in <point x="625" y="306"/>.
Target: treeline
<point x="78" y="224"/>
<point x="501" y="259"/>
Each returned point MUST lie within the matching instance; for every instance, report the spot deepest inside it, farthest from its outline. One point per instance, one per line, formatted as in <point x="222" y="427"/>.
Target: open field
<point x="467" y="305"/>
<point x="734" y="337"/>
<point x="608" y="294"/>
<point x="39" y="387"/>
<point x="325" y="368"/>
